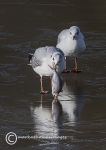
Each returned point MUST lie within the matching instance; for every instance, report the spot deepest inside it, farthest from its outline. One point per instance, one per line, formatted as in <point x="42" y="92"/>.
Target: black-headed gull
<point x="71" y="42"/>
<point x="45" y="59"/>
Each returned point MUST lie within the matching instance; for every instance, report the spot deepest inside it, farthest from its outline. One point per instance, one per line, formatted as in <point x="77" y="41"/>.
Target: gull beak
<point x="53" y="67"/>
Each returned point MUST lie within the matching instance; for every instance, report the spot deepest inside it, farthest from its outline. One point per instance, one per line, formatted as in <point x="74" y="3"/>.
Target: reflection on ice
<point x="46" y="119"/>
<point x="71" y="99"/>
<point x="56" y="111"/>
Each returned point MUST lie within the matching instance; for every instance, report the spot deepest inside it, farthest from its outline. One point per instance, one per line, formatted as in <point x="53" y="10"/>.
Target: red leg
<point x="42" y="90"/>
<point x="75" y="70"/>
<point x="65" y="70"/>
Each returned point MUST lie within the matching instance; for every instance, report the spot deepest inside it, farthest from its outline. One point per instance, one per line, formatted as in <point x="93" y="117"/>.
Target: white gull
<point x="71" y="42"/>
<point x="45" y="59"/>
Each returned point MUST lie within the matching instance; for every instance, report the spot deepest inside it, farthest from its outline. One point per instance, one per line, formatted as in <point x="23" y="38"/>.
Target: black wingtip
<point x="30" y="57"/>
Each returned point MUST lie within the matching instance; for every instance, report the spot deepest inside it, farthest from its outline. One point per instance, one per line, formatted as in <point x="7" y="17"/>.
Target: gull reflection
<point x="56" y="111"/>
<point x="72" y="100"/>
<point x="46" y="118"/>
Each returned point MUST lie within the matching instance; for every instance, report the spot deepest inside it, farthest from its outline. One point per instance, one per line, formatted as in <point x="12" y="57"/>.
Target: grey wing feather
<point x="35" y="62"/>
<point x="40" y="54"/>
<point x="44" y="52"/>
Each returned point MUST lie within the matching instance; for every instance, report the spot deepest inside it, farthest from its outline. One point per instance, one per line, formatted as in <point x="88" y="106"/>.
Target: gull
<point x="71" y="42"/>
<point x="44" y="60"/>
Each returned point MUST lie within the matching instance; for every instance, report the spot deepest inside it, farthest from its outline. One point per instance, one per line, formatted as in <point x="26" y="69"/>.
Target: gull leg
<point x="65" y="70"/>
<point x="42" y="89"/>
<point x="76" y="65"/>
<point x="75" y="70"/>
<point x="65" y="63"/>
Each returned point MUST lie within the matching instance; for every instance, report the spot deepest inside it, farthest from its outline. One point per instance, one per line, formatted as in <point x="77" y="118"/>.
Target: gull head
<point x="74" y="32"/>
<point x="57" y="61"/>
